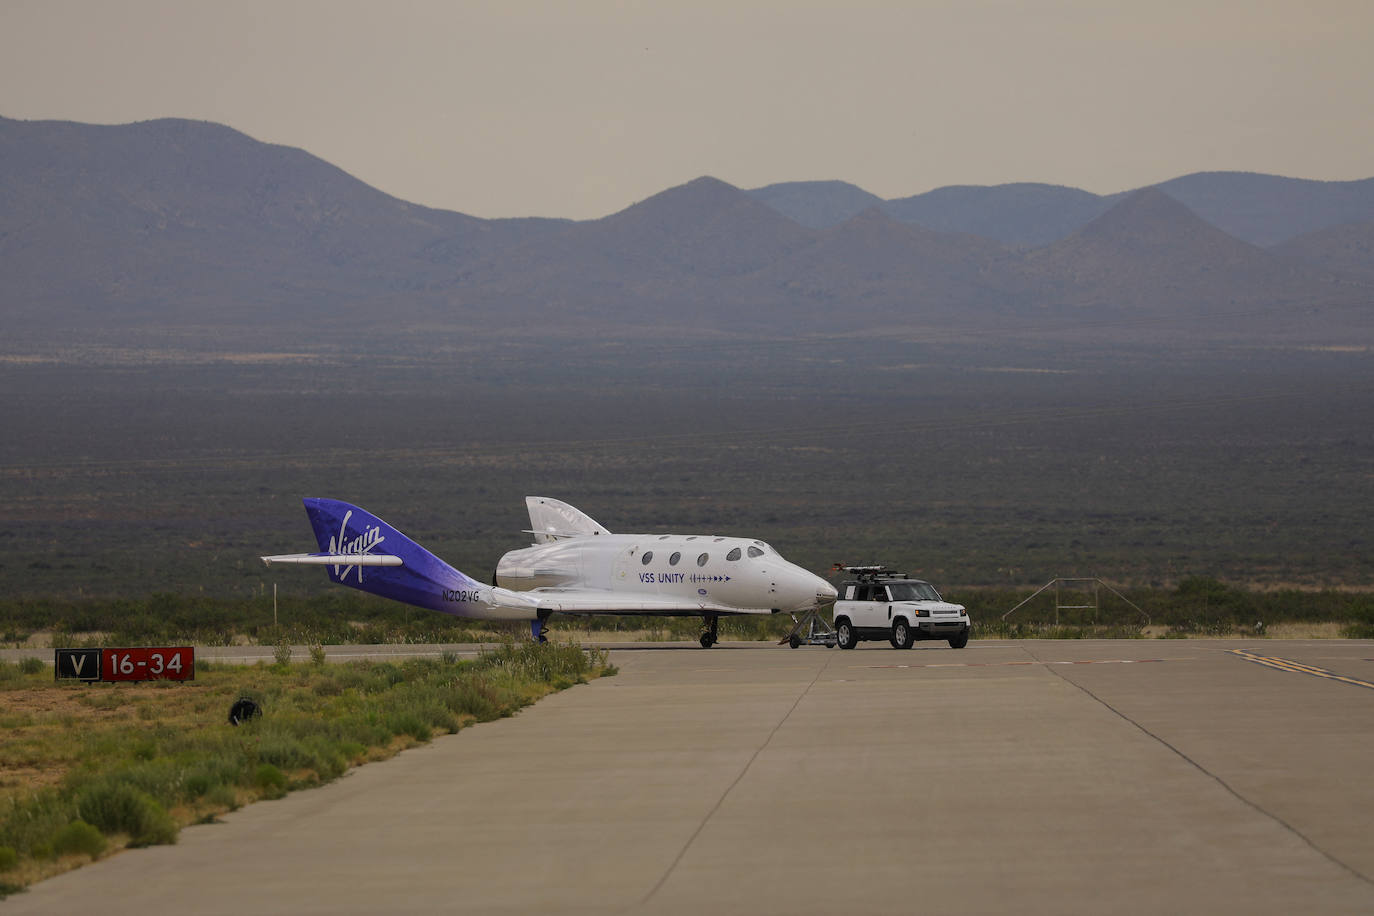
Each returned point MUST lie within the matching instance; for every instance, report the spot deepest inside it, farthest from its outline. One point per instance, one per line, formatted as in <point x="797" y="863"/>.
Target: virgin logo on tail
<point x="363" y="543"/>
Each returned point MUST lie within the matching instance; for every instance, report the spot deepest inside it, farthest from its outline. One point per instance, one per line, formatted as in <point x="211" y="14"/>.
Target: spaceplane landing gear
<point x="537" y="627"/>
<point x="709" y="631"/>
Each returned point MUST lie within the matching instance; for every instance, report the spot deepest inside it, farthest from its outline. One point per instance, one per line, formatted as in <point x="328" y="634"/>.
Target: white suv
<point x="880" y="604"/>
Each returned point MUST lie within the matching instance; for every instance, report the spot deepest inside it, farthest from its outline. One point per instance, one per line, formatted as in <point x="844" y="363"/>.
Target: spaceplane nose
<point x="825" y="593"/>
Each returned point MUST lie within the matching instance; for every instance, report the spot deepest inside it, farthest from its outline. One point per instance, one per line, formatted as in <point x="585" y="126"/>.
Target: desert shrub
<point x="117" y="807"/>
<point x="285" y="751"/>
<point x="408" y="722"/>
<point x="330" y="761"/>
<point x="281" y="651"/>
<point x="206" y="775"/>
<point x="223" y="796"/>
<point x="542" y="662"/>
<point x="79" y="837"/>
<point x="475" y="698"/>
<point x="269" y="780"/>
<point x="29" y="823"/>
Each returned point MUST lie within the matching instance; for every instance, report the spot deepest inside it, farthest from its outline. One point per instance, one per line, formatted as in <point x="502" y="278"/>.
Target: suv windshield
<point x="913" y="591"/>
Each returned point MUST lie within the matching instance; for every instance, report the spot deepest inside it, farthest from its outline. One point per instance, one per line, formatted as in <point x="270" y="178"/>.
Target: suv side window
<point x="879" y="593"/>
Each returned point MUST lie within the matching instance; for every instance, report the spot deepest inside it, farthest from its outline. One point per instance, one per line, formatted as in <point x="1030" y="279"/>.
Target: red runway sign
<point x="156" y="664"/>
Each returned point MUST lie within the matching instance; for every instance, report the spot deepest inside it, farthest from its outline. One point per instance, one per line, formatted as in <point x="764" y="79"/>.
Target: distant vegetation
<point x="969" y="465"/>
<point x="1195" y="607"/>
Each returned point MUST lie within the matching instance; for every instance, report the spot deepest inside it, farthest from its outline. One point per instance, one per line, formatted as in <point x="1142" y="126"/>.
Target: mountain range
<point x="1261" y="209"/>
<point x="174" y="224"/>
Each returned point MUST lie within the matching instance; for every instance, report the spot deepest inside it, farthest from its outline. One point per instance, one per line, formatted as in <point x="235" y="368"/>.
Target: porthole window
<point x="648" y="555"/>
<point x="755" y="552"/>
<point x="733" y="555"/>
<point x="701" y="560"/>
<point x="672" y="561"/>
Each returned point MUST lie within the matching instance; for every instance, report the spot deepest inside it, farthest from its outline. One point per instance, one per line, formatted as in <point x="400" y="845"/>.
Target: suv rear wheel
<point x="901" y="634"/>
<point x="845" y="635"/>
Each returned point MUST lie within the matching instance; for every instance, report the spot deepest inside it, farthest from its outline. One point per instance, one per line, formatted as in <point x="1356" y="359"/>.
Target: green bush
<point x="269" y="780"/>
<point x="32" y="665"/>
<point x="8" y="858"/>
<point x="408" y="722"/>
<point x="202" y="778"/>
<point x="117" y="807"/>
<point x="285" y="752"/>
<point x="281" y="651"/>
<point x="79" y="837"/>
<point x="158" y="779"/>
<point x="330" y="762"/>
<point x="475" y="698"/>
<point x="26" y="824"/>
<point x="223" y="796"/>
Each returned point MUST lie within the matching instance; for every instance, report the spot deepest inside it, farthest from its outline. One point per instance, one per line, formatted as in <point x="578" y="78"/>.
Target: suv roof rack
<point x="872" y="573"/>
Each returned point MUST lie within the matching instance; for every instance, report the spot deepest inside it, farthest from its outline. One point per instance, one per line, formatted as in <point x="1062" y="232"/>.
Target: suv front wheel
<point x="845" y="635"/>
<point x="902" y="637"/>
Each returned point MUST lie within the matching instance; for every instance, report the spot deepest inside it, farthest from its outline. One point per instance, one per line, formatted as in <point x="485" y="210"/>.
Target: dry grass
<point x="67" y="749"/>
<point x="1306" y="631"/>
<point x="1272" y="631"/>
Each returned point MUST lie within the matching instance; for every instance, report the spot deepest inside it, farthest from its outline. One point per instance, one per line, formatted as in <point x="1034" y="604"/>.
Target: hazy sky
<point x="579" y="109"/>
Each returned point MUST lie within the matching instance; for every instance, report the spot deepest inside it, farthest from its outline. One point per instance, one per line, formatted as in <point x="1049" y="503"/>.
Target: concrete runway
<point x="1029" y="777"/>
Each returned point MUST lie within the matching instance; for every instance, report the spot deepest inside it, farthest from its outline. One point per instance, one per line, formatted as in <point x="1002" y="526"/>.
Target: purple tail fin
<point x="422" y="579"/>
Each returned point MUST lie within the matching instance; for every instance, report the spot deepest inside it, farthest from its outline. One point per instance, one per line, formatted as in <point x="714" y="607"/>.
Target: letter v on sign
<point x="76" y="664"/>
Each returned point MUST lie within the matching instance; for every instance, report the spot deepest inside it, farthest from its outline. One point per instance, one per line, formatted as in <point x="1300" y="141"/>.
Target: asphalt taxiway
<point x="1139" y="776"/>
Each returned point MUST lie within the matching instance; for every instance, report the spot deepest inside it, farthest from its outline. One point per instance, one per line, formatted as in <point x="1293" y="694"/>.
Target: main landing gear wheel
<point x="901" y="635"/>
<point x="709" y="633"/>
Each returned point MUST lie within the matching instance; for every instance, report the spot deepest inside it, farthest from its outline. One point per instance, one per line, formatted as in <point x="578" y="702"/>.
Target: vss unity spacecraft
<point x="575" y="566"/>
